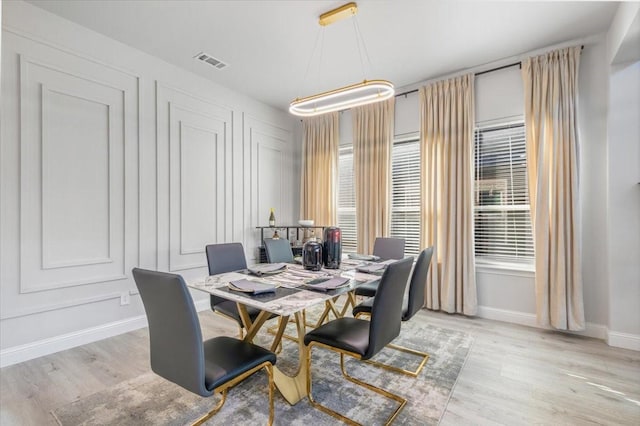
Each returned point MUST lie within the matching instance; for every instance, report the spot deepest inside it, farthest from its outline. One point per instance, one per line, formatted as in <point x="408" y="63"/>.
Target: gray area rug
<point x="151" y="400"/>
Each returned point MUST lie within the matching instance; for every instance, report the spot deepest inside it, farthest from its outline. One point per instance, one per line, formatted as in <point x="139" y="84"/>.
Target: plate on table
<point x="367" y="257"/>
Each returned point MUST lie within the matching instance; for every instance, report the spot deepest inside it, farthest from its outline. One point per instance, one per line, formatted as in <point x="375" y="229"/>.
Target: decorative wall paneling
<point x="194" y="169"/>
<point x="267" y="158"/>
<point x="69" y="166"/>
<point x="112" y="159"/>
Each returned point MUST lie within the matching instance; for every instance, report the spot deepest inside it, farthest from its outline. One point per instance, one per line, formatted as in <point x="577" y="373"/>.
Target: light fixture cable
<point x="359" y="40"/>
<point x="319" y="34"/>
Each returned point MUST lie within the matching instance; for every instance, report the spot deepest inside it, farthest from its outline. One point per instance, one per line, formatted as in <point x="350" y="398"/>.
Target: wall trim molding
<point x="623" y="340"/>
<point x="51" y="345"/>
<point x="597" y="331"/>
<point x="17" y="354"/>
<point x="21" y="353"/>
<point x="63" y="305"/>
<point x="83" y="55"/>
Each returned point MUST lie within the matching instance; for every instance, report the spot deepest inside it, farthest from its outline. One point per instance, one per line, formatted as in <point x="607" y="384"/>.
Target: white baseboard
<point x="623" y="340"/>
<point x="596" y="331"/>
<point x="513" y="317"/>
<point x="51" y="345"/>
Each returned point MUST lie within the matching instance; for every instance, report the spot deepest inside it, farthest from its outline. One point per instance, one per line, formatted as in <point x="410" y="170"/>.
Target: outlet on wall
<point x="124" y="298"/>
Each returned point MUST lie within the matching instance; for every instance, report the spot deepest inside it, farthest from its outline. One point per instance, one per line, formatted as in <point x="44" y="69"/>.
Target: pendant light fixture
<point x="365" y="92"/>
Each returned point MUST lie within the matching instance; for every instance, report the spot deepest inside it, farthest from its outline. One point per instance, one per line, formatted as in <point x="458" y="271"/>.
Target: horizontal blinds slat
<point x="502" y="218"/>
<point x="347" y="201"/>
<point x="405" y="195"/>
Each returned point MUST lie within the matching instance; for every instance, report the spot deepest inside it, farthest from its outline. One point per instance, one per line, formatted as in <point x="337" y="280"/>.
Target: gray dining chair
<point x="411" y="306"/>
<point x="178" y="353"/>
<point x="363" y="339"/>
<point x="386" y="249"/>
<point x="278" y="250"/>
<point x="228" y="257"/>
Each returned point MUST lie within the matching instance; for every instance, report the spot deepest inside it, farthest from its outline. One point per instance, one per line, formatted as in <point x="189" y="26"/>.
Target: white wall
<point x="112" y="159"/>
<point x="592" y="134"/>
<point x="623" y="177"/>
<point x="624" y="197"/>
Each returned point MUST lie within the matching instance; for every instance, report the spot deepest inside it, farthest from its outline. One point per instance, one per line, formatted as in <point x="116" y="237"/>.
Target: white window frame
<point x="348" y="246"/>
<point x="516" y="262"/>
<point x="409" y="205"/>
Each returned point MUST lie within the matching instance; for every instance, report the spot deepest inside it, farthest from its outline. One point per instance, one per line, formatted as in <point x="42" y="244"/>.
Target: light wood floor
<point x="513" y="375"/>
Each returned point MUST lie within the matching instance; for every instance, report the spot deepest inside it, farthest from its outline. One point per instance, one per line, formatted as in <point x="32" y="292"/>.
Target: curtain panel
<point x="372" y="141"/>
<point x="447" y="179"/>
<point x="319" y="174"/>
<point x="551" y="90"/>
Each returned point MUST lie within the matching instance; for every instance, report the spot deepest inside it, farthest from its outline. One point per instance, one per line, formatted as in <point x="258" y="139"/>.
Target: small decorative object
<point x="332" y="250"/>
<point x="312" y="255"/>
<point x="275" y="235"/>
<point x="272" y="218"/>
<point x="306" y="222"/>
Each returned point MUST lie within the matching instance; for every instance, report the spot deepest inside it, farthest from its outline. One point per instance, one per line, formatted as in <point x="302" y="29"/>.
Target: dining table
<point x="296" y="289"/>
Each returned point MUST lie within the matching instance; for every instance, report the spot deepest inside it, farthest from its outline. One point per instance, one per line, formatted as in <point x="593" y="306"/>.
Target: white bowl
<point x="305" y="222"/>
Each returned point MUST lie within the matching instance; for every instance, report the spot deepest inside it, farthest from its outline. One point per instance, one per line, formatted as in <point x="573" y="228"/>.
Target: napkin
<point x="267" y="268"/>
<point x="252" y="287"/>
<point x="328" y="284"/>
<point x="371" y="268"/>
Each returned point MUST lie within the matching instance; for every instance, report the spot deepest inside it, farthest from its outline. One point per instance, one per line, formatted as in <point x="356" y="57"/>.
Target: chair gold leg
<point x="230" y="384"/>
<point x="414" y="373"/>
<point x="215" y="409"/>
<point x="317" y="405"/>
<point x="401" y="401"/>
<point x="269" y="369"/>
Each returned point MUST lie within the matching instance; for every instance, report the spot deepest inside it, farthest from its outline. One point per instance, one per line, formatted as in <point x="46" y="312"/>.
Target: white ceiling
<point x="268" y="44"/>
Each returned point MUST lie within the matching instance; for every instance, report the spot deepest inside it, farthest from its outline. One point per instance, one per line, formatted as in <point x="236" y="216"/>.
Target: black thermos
<point x="332" y="250"/>
<point x="312" y="255"/>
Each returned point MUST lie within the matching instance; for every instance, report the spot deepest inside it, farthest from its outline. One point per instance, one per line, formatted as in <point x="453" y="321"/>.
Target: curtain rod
<point x="519" y="63"/>
<point x="476" y="74"/>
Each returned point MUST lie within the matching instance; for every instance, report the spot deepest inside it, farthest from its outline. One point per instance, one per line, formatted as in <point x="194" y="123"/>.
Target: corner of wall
<point x="623" y="340"/>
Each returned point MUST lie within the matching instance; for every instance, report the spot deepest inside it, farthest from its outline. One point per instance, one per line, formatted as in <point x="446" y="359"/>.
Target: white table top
<point x="293" y="278"/>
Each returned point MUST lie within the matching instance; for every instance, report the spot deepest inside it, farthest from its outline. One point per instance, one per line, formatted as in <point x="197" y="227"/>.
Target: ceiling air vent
<point x="210" y="60"/>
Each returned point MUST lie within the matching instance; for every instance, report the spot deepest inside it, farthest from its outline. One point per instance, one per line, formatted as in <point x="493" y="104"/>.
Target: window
<point x="347" y="200"/>
<point x="405" y="194"/>
<point x="502" y="215"/>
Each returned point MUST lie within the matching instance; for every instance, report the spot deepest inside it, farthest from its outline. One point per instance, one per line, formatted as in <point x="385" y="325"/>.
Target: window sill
<point x="505" y="268"/>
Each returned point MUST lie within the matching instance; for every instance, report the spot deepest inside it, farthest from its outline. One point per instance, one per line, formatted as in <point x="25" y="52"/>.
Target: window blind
<point x="347" y="200"/>
<point x="501" y="207"/>
<point x="405" y="194"/>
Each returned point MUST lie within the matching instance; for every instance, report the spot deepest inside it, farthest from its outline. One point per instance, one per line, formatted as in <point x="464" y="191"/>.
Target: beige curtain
<point x="318" y="197"/>
<point x="551" y="89"/>
<point x="372" y="140"/>
<point x="446" y="132"/>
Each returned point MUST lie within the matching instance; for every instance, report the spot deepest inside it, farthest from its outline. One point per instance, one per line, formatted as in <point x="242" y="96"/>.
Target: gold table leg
<point x="294" y="388"/>
<point x="282" y="324"/>
<point x="252" y="328"/>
